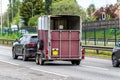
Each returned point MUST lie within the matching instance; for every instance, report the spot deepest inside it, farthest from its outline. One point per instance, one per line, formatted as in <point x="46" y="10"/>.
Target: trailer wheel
<point x="37" y="59"/>
<point x="41" y="61"/>
<point x="77" y="62"/>
<point x="73" y="62"/>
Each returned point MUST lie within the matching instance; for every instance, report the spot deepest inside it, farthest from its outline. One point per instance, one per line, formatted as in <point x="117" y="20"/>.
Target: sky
<point x="83" y="3"/>
<point x="4" y="5"/>
<point x="98" y="3"/>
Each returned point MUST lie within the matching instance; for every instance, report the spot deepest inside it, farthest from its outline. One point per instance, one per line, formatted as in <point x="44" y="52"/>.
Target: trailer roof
<point x="64" y="16"/>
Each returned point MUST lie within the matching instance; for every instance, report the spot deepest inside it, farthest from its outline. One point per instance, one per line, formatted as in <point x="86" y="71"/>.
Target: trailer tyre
<point x="73" y="62"/>
<point x="41" y="61"/>
<point x="77" y="62"/>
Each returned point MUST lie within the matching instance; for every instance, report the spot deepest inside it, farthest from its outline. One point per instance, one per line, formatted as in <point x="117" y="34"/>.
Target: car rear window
<point x="33" y="39"/>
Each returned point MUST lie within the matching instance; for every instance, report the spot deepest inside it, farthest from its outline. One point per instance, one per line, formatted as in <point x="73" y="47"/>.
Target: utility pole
<point x="12" y="8"/>
<point x="1" y="14"/>
<point x="8" y="17"/>
<point x="119" y="15"/>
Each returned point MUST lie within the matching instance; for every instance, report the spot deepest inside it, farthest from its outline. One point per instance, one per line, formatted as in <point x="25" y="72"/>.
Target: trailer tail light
<point x="31" y="44"/>
<point x="83" y="53"/>
<point x="46" y="53"/>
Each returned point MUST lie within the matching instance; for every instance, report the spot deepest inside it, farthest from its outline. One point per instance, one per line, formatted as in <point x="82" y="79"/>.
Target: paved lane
<point x="90" y="68"/>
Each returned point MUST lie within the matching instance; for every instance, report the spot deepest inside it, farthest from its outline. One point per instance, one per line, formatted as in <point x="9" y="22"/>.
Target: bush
<point x="10" y="36"/>
<point x="33" y="21"/>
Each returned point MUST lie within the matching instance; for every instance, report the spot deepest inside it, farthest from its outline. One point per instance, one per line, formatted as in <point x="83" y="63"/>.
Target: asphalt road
<point x="89" y="69"/>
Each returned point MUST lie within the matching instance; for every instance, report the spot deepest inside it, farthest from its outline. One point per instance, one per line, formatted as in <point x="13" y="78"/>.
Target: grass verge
<point x="102" y="54"/>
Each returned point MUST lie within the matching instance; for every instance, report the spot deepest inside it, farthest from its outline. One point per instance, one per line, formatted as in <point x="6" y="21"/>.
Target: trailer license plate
<point x="55" y="53"/>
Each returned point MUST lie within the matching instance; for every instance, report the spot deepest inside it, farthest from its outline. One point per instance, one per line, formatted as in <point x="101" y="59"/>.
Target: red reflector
<point x="83" y="53"/>
<point x="31" y="44"/>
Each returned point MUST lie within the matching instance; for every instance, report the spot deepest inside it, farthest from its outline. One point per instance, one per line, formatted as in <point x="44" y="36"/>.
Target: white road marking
<point x="9" y="63"/>
<point x="36" y="69"/>
<point x="93" y="67"/>
<point x="50" y="72"/>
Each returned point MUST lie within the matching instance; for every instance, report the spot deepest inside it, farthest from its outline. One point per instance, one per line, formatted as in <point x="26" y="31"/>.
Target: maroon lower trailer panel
<point x="67" y="43"/>
<point x="43" y="35"/>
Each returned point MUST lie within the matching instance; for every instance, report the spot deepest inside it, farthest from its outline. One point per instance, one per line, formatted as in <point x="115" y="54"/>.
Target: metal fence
<point x="101" y="36"/>
<point x="6" y="42"/>
<point x="109" y="29"/>
<point x="21" y="30"/>
<point x="108" y="36"/>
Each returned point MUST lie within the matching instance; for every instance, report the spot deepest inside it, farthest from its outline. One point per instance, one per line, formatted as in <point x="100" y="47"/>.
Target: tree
<point x="16" y="19"/>
<point x="12" y="11"/>
<point x="39" y="7"/>
<point x="67" y="7"/>
<point x="91" y="9"/>
<point x="30" y="8"/>
<point x="5" y="19"/>
<point x="33" y="21"/>
<point x="47" y="6"/>
<point x="13" y="8"/>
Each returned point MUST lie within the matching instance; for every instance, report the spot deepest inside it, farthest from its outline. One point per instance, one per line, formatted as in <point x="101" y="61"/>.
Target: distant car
<point x="23" y="31"/>
<point x="116" y="56"/>
<point x="25" y="46"/>
<point x="14" y="28"/>
<point x="5" y="30"/>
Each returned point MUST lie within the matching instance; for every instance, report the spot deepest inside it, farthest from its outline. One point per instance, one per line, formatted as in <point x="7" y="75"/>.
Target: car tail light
<point x="31" y="52"/>
<point x="31" y="44"/>
<point x="83" y="53"/>
<point x="46" y="53"/>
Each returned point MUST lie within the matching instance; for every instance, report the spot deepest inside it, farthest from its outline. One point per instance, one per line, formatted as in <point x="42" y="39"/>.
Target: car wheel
<point x="115" y="62"/>
<point x="24" y="55"/>
<point x="14" y="56"/>
<point x="37" y="59"/>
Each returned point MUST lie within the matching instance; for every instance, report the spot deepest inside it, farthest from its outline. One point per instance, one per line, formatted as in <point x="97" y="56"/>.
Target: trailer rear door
<point x="65" y="44"/>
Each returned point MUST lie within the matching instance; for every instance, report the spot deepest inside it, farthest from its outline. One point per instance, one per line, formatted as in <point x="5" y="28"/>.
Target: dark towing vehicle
<point x="116" y="56"/>
<point x="25" y="46"/>
<point x="59" y="38"/>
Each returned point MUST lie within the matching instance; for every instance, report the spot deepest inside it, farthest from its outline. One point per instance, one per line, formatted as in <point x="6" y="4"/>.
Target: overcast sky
<point x="83" y="3"/>
<point x="98" y="3"/>
<point x="4" y="5"/>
